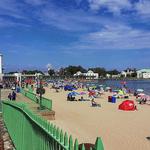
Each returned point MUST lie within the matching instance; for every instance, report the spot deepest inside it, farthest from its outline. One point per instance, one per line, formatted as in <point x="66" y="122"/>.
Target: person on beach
<point x="94" y="103"/>
<point x="81" y="99"/>
<point x="37" y="98"/>
<point x="9" y="96"/>
<point x="13" y="96"/>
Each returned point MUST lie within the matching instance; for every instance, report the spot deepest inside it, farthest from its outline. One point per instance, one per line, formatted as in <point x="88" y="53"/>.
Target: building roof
<point x="144" y="70"/>
<point x="90" y="71"/>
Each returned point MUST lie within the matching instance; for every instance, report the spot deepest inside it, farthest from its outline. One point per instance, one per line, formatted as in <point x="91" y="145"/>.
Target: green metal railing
<point x="31" y="132"/>
<point x="0" y="107"/>
<point x="47" y="103"/>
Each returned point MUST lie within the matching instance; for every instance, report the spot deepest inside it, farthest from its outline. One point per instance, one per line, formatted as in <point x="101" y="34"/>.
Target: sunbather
<point x="143" y="101"/>
<point x="81" y="99"/>
<point x="94" y="103"/>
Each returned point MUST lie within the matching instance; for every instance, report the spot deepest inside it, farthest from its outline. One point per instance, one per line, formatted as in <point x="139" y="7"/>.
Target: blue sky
<point x="114" y="34"/>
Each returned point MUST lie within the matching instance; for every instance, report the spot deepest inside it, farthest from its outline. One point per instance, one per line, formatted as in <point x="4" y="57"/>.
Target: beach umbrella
<point x="141" y="94"/>
<point x="140" y="90"/>
<point x="108" y="88"/>
<point x="115" y="90"/>
<point x="73" y="94"/>
<point x="82" y="93"/>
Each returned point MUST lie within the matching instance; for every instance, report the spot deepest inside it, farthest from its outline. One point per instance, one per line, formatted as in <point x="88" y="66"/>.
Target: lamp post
<point x="1" y="86"/>
<point x="40" y="90"/>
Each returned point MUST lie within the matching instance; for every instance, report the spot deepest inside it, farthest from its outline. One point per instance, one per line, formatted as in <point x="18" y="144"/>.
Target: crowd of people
<point x="12" y="96"/>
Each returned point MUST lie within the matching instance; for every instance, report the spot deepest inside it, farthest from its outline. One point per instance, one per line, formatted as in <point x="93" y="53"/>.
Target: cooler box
<point x="113" y="100"/>
<point x="109" y="98"/>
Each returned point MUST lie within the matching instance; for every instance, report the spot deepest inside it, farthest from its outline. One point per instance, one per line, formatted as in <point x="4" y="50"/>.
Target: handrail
<point x="57" y="140"/>
<point x="47" y="103"/>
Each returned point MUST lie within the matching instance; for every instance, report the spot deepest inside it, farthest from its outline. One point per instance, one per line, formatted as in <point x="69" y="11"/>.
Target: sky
<point x="114" y="34"/>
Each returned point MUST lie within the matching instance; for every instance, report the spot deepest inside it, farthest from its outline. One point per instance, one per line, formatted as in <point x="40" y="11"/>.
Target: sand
<point x="119" y="130"/>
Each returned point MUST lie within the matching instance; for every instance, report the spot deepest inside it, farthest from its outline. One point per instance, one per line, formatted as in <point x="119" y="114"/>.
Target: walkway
<point x="32" y="105"/>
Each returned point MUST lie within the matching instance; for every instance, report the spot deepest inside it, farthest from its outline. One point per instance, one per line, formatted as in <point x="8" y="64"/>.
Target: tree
<point x="61" y="71"/>
<point x="113" y="72"/>
<point x="31" y="72"/>
<point x="134" y="75"/>
<point x="12" y="72"/>
<point x="71" y="70"/>
<point x="51" y="72"/>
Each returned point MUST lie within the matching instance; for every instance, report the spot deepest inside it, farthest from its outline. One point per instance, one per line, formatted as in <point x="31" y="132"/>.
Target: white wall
<point x="146" y="75"/>
<point x="1" y="63"/>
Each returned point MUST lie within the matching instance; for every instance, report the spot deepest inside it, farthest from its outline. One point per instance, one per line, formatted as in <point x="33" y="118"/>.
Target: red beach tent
<point x="127" y="105"/>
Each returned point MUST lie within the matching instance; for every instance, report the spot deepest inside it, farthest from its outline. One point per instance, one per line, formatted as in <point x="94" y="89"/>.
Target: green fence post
<point x="66" y="140"/>
<point x="83" y="147"/>
<point x="70" y="143"/>
<point x="76" y="145"/>
<point x="99" y="144"/>
<point x="52" y="127"/>
<point x="54" y="131"/>
<point x="61" y="137"/>
<point x="58" y="134"/>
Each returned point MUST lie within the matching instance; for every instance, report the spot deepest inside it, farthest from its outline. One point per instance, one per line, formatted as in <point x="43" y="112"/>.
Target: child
<point x="9" y="96"/>
<point x="13" y="96"/>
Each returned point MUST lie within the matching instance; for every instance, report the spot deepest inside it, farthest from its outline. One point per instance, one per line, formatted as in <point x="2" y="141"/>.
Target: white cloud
<point x="143" y="8"/>
<point x="70" y="20"/>
<point x="9" y="23"/>
<point x="114" y="37"/>
<point x="114" y="6"/>
<point x="11" y="8"/>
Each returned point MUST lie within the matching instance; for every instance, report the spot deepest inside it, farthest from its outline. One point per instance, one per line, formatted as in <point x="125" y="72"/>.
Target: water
<point x="131" y="84"/>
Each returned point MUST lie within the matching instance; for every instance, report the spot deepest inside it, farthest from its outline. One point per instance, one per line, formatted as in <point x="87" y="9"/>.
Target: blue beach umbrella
<point x="140" y="90"/>
<point x="73" y="94"/>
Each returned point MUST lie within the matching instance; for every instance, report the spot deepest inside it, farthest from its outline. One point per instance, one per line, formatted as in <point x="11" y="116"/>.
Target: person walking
<point x="9" y="96"/>
<point x="13" y="96"/>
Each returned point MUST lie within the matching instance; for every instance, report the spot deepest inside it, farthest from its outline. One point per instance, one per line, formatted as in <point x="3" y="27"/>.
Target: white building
<point x="79" y="73"/>
<point x="1" y="63"/>
<point x="143" y="73"/>
<point x="127" y="72"/>
<point x="108" y="75"/>
<point x="89" y="75"/>
<point x="116" y="76"/>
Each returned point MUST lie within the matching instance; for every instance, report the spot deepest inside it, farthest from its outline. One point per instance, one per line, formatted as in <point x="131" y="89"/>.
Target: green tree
<point x="51" y="72"/>
<point x="12" y="72"/>
<point x="31" y="72"/>
<point x="113" y="72"/>
<point x="71" y="70"/>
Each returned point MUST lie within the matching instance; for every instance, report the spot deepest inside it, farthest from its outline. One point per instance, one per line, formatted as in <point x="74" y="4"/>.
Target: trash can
<point x="113" y="100"/>
<point x="109" y="98"/>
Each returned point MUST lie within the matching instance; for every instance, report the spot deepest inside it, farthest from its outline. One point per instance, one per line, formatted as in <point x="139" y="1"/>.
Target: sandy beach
<point x="119" y="130"/>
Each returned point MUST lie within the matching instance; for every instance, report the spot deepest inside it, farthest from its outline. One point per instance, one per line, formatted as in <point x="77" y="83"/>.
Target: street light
<point x="39" y="89"/>
<point x="1" y="86"/>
